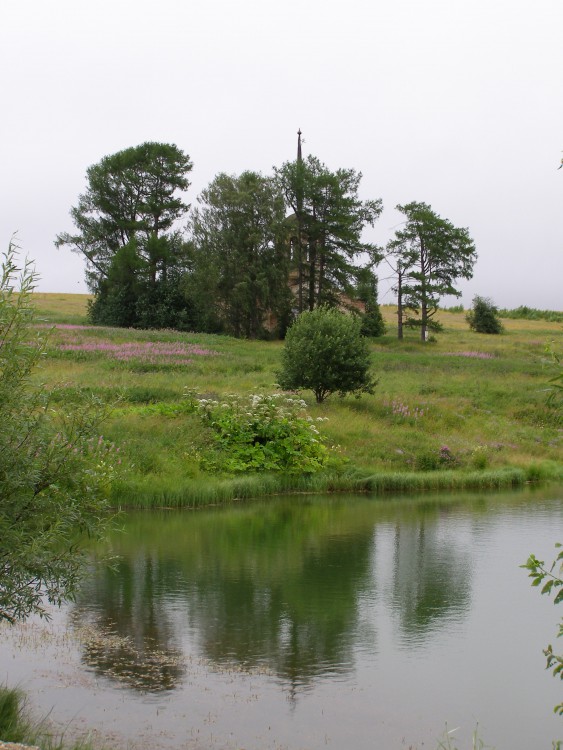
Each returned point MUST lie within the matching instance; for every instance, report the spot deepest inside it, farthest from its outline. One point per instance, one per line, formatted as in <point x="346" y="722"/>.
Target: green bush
<point x="325" y="352"/>
<point x="484" y="317"/>
<point x="262" y="433"/>
<point x="373" y="324"/>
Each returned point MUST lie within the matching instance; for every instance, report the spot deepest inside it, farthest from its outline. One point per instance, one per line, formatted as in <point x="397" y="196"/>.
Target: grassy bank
<point x="467" y="410"/>
<point x="18" y="726"/>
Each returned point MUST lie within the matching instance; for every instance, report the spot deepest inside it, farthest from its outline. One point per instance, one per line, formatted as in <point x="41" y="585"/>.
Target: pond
<point x="307" y="623"/>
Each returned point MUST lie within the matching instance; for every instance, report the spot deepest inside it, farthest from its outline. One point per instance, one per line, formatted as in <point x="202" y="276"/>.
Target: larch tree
<point x="329" y="219"/>
<point x="133" y="200"/>
<point x="432" y="254"/>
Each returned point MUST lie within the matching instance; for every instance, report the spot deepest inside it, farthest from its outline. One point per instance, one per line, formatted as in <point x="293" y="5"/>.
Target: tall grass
<point x="15" y="726"/>
<point x="18" y="726"/>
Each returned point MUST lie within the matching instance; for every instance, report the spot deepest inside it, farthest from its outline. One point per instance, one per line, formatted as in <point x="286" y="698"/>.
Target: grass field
<point x="467" y="409"/>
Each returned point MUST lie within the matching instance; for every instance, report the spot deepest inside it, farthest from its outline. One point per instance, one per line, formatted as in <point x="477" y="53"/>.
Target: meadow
<point x="465" y="410"/>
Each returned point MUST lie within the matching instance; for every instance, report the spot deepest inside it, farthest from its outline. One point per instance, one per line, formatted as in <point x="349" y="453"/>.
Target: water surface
<point x="306" y="623"/>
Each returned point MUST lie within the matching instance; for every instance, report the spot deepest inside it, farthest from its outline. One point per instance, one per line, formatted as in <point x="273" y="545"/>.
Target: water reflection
<point x="431" y="575"/>
<point x="271" y="588"/>
<point x="297" y="619"/>
<point x="127" y="634"/>
<point x="277" y="588"/>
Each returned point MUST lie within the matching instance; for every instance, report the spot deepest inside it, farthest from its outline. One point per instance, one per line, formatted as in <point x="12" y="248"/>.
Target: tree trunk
<point x="321" y="274"/>
<point x="423" y="320"/>
<point x="312" y="273"/>
<point x="424" y="270"/>
<point x="400" y="305"/>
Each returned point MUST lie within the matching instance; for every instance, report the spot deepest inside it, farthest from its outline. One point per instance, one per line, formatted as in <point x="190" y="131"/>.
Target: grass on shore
<point x="18" y="726"/>
<point x="483" y="398"/>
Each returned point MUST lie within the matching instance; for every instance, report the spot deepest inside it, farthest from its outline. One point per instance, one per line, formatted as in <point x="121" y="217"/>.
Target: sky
<point x="456" y="103"/>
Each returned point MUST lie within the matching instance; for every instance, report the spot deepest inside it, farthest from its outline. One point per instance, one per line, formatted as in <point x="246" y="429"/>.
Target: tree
<point x="484" y="316"/>
<point x="325" y="352"/>
<point x="432" y="254"/>
<point x="329" y="219"/>
<point x="239" y="254"/>
<point x="54" y="468"/>
<point x="366" y="291"/>
<point x="117" y="294"/>
<point x="133" y="200"/>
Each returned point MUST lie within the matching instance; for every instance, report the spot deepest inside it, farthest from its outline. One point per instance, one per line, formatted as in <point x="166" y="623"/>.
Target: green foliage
<point x="125" y="228"/>
<point x="484" y="316"/>
<point x="373" y="324"/>
<point x="551" y="581"/>
<point x="427" y="462"/>
<point x="325" y="352"/>
<point x="239" y="257"/>
<point x="262" y="433"/>
<point x="441" y="459"/>
<point x="55" y="468"/>
<point x="480" y="457"/>
<point x="555" y="382"/>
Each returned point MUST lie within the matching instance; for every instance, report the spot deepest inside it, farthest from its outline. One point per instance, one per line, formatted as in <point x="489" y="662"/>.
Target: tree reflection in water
<point x="431" y="574"/>
<point x="275" y="588"/>
<point x="126" y="635"/>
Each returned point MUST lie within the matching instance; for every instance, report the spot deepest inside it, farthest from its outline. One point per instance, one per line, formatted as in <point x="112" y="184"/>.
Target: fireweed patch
<point x="147" y="352"/>
<point x="401" y="410"/>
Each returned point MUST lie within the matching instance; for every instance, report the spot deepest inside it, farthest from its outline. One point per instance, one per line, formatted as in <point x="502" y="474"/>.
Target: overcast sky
<point x="458" y="103"/>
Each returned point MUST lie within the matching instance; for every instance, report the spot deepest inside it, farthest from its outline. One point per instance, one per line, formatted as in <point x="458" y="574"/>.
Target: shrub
<point x="427" y="462"/>
<point x="262" y="433"/>
<point x="480" y="457"/>
<point x="484" y="317"/>
<point x="366" y="290"/>
<point x="325" y="352"/>
<point x="555" y="382"/>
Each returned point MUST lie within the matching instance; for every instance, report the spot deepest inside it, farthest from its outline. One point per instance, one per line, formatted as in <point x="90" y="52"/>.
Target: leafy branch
<point x="551" y="581"/>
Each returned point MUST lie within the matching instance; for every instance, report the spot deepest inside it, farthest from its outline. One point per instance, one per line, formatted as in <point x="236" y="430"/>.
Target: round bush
<point x="484" y="317"/>
<point x="325" y="352"/>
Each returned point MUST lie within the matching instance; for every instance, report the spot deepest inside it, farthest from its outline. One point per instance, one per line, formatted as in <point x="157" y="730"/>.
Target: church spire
<point x="299" y="156"/>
